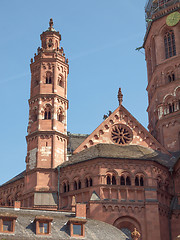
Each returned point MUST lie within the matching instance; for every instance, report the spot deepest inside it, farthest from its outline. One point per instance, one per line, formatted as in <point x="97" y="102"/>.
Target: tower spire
<point x="120" y="97"/>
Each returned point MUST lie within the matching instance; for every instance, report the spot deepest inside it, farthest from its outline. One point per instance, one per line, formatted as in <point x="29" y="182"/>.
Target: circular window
<point x="121" y="134"/>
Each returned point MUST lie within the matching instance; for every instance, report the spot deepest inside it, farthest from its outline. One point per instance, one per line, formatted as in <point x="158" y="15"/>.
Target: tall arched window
<point x="128" y="181"/>
<point x="79" y="184"/>
<point x="113" y="180"/>
<point x="108" y="180"/>
<point x="141" y="181"/>
<point x="75" y="185"/>
<point x="90" y="182"/>
<point x="122" y="180"/>
<point x="47" y="112"/>
<point x="137" y="181"/>
<point x="86" y="182"/>
<point x="64" y="187"/>
<point x="169" y="44"/>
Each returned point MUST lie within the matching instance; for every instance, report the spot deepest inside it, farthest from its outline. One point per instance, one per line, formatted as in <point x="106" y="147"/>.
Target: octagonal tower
<point x="162" y="49"/>
<point x="47" y="128"/>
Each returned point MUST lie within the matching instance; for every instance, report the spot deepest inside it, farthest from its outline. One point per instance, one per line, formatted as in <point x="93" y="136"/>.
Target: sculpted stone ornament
<point x="135" y="235"/>
<point x="120" y="97"/>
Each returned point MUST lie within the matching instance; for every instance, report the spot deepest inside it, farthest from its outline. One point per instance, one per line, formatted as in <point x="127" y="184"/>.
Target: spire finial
<point x="51" y="23"/>
<point x="120" y="97"/>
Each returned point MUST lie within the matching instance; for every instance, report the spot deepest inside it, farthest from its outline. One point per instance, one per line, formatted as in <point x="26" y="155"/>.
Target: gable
<point x="121" y="128"/>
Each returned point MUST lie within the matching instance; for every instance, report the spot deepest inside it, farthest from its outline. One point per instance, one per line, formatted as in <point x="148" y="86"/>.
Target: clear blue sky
<point x="99" y="38"/>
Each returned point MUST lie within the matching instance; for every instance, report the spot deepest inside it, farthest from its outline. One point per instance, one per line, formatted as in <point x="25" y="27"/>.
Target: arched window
<point x="113" y="180"/>
<point x="47" y="112"/>
<point x="141" y="181"/>
<point x="122" y="180"/>
<point x="75" y="185"/>
<point x="86" y="182"/>
<point x="171" y="108"/>
<point x="169" y="44"/>
<point x="64" y="187"/>
<point x="48" y="78"/>
<point x="171" y="77"/>
<point x="128" y="181"/>
<point x="108" y="180"/>
<point x="47" y="115"/>
<point x="90" y="182"/>
<point x="79" y="184"/>
<point x="137" y="181"/>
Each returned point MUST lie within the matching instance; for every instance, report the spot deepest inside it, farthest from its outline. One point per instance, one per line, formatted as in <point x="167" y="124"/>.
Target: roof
<point x="14" y="179"/>
<point x="25" y="226"/>
<point x="133" y="152"/>
<point x="75" y="140"/>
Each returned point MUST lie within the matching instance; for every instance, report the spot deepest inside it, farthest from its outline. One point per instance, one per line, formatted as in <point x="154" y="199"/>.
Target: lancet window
<point x="169" y="44"/>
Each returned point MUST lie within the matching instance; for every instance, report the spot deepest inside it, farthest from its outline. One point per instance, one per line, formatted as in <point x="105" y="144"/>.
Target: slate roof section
<point x="25" y="226"/>
<point x="132" y="152"/>
<point x="74" y="141"/>
<point x="14" y="179"/>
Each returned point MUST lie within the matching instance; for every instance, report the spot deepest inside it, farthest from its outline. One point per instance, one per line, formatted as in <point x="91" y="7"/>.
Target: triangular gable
<point x="121" y="121"/>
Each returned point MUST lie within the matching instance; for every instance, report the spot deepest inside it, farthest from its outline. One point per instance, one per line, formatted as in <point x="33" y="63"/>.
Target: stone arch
<point x="127" y="222"/>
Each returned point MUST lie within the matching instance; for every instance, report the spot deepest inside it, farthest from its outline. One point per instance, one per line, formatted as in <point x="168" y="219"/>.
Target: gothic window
<point x="75" y="185"/>
<point x="108" y="180"/>
<point x="79" y="184"/>
<point x="169" y="44"/>
<point x="113" y="180"/>
<point x="128" y="181"/>
<point x="48" y="78"/>
<point x="121" y="134"/>
<point x="122" y="180"/>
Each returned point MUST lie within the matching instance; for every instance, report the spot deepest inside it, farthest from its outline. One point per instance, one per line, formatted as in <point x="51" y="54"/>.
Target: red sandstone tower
<point x="162" y="48"/>
<point x="47" y="128"/>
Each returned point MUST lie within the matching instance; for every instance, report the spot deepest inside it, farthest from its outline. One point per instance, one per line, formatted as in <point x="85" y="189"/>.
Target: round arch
<point x="128" y="223"/>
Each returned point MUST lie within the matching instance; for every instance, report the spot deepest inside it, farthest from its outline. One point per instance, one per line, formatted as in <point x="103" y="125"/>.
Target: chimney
<point x="17" y="205"/>
<point x="81" y="210"/>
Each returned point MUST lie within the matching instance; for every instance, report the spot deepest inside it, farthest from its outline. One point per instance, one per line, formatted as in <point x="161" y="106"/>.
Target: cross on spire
<point x="51" y="23"/>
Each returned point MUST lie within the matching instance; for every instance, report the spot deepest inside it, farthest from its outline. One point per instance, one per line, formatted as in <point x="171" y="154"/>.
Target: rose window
<point x="121" y="134"/>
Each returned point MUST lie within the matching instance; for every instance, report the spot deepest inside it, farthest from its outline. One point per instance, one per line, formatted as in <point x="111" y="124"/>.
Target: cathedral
<point x="122" y="181"/>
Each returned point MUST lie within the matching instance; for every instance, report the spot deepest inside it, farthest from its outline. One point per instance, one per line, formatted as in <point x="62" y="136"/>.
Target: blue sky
<point x="99" y="38"/>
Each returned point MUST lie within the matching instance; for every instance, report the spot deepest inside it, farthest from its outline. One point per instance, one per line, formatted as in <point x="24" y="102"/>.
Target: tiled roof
<point x="133" y="152"/>
<point x="25" y="226"/>
<point x="14" y="179"/>
<point x="74" y="141"/>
